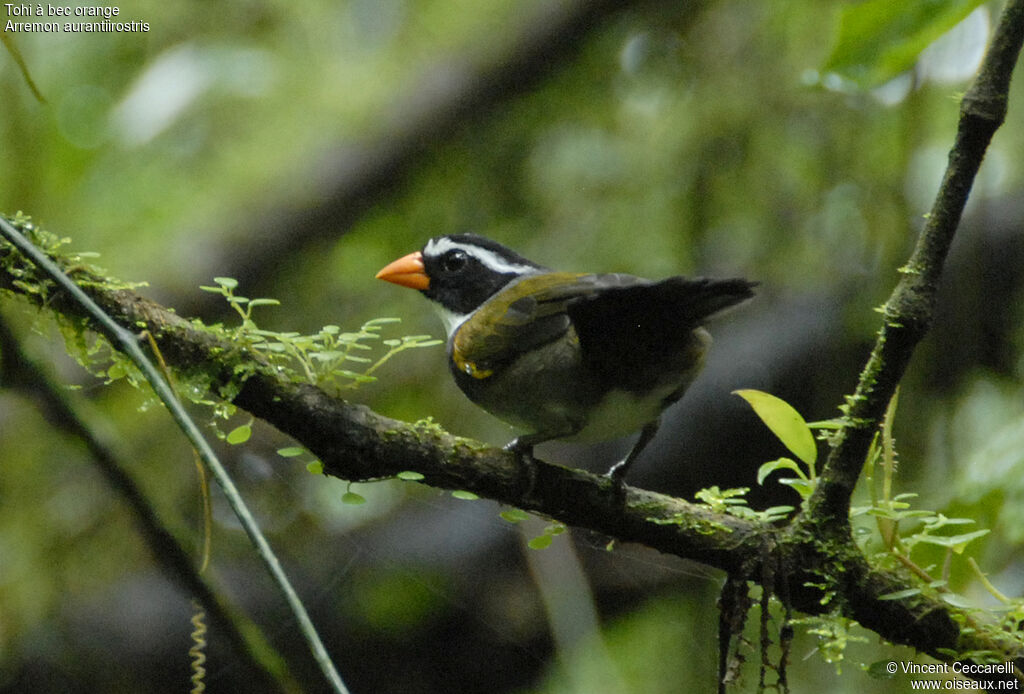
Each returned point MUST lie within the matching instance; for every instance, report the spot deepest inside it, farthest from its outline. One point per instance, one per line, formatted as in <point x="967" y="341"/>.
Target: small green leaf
<point x="804" y="487"/>
<point x="327" y="355"/>
<point x="290" y="451"/>
<point x="900" y="594"/>
<point x="955" y="600"/>
<point x="954" y="542"/>
<point x="784" y="421"/>
<point x="828" y="424"/>
<point x="410" y="475"/>
<point x="239" y="435"/>
<point x="464" y="495"/>
<point x="514" y="515"/>
<point x="264" y="302"/>
<point x="780" y="464"/>
<point x="540" y="542"/>
<point x="353" y="499"/>
<point x="373" y="322"/>
<point x="226" y="282"/>
<point x="315" y="467"/>
<point x="420" y="341"/>
<point x="774" y="512"/>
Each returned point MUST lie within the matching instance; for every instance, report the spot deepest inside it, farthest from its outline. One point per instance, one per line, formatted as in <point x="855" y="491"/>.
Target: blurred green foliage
<point x="722" y="137"/>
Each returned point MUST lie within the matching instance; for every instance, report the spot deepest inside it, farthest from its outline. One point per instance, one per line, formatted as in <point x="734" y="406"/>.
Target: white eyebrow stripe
<point x="488" y="258"/>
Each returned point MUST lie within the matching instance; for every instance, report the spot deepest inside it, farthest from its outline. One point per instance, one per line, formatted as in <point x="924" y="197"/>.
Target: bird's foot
<point x="523" y="451"/>
<point x="617" y="475"/>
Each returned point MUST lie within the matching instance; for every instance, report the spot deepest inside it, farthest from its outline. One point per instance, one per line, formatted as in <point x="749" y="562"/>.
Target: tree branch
<point x="909" y="312"/>
<point x="355" y="443"/>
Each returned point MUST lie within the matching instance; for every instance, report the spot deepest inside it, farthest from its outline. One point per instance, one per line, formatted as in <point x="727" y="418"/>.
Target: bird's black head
<point x="465" y="270"/>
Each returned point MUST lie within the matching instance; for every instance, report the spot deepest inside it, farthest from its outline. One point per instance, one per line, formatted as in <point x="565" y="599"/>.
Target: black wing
<point x="625" y="331"/>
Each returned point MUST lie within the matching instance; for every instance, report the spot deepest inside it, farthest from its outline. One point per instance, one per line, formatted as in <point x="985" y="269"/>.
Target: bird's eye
<point x="454" y="261"/>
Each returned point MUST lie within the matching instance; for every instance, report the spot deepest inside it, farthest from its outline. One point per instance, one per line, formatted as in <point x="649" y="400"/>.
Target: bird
<point x="565" y="355"/>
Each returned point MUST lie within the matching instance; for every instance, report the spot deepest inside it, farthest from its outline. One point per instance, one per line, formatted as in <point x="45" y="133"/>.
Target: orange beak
<point x="407" y="271"/>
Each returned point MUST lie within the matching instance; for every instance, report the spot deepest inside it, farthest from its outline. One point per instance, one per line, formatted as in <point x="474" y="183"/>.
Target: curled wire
<point x="197" y="652"/>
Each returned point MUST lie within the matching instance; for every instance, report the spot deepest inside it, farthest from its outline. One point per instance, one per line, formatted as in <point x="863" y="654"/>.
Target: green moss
<point x="316" y="358"/>
<point x="689" y="522"/>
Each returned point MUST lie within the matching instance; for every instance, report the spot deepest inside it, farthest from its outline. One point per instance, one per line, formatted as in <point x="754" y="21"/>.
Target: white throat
<point x="451" y="319"/>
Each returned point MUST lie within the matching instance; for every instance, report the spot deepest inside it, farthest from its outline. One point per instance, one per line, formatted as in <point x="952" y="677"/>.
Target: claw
<point x="522" y="448"/>
<point x="617" y="472"/>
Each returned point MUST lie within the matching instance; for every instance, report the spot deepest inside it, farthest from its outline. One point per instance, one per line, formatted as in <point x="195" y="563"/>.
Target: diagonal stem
<point x="126" y="342"/>
<point x="909" y="311"/>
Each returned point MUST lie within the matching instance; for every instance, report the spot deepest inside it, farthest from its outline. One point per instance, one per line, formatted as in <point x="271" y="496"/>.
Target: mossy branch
<point x="909" y="312"/>
<point x="355" y="443"/>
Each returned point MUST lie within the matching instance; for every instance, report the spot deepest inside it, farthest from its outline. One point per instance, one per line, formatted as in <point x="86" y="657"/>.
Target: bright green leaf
<point x="226" y="282"/>
<point x="514" y="515"/>
<point x="290" y="451"/>
<point x="879" y="39"/>
<point x="353" y="499"/>
<point x="464" y="495"/>
<point x="315" y="467"/>
<point x="540" y="542"/>
<point x="374" y="322"/>
<point x="900" y="594"/>
<point x="239" y="435"/>
<point x="955" y="600"/>
<point x="955" y="542"/>
<point x="410" y="475"/>
<point x="785" y="422"/>
<point x="777" y="511"/>
<point x="803" y="487"/>
<point x="780" y="464"/>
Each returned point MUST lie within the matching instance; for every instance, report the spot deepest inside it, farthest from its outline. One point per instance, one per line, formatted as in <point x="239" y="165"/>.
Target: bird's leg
<point x="618" y="471"/>
<point x="522" y="448"/>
